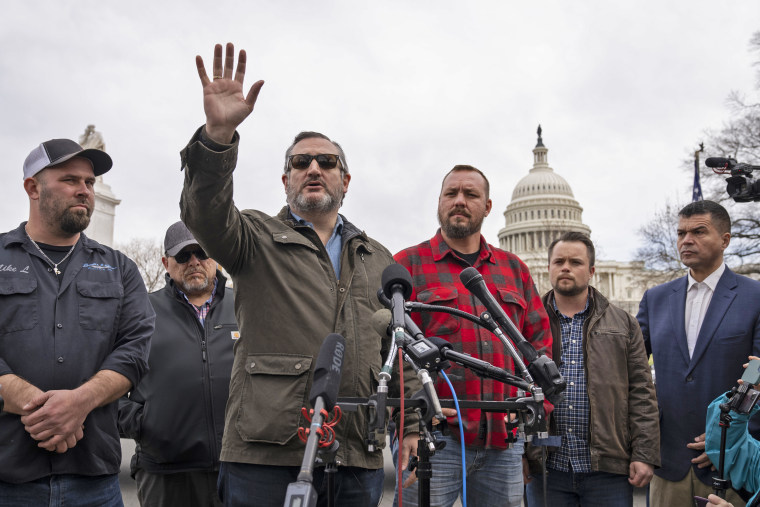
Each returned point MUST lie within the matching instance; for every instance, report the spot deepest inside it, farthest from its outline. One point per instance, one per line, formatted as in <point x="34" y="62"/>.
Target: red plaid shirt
<point x="435" y="272"/>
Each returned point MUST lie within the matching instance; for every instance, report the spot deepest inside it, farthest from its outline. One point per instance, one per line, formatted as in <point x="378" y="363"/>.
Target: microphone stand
<point x="302" y="493"/>
<point x="423" y="356"/>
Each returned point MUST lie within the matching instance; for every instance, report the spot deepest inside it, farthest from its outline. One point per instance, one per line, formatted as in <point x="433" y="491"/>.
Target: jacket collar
<point x="441" y="249"/>
<point x="597" y="304"/>
<point x="350" y="231"/>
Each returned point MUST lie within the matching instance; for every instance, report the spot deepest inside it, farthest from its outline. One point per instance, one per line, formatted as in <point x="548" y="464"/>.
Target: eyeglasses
<point x="303" y="161"/>
<point x="184" y="256"/>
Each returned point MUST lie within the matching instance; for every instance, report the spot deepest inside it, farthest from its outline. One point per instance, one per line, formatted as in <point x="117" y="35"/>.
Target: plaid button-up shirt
<point x="573" y="413"/>
<point x="435" y="270"/>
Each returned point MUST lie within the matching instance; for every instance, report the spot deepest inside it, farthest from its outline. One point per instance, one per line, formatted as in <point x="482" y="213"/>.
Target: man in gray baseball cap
<point x="176" y="459"/>
<point x="75" y="326"/>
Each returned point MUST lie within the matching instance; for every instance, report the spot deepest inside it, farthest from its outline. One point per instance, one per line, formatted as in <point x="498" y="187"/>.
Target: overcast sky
<point x="623" y="91"/>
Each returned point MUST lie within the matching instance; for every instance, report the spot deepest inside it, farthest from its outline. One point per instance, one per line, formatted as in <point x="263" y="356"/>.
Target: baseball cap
<point x="57" y="151"/>
<point x="177" y="237"/>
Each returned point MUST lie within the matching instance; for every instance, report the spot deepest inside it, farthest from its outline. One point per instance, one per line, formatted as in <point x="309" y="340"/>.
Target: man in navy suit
<point x="700" y="329"/>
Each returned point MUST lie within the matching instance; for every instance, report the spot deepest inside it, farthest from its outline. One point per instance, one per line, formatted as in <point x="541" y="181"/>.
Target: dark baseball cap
<point x="178" y="236"/>
<point x="58" y="151"/>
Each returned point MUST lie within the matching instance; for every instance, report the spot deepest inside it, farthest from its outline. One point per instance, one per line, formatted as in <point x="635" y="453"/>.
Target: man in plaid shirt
<point x="494" y="473"/>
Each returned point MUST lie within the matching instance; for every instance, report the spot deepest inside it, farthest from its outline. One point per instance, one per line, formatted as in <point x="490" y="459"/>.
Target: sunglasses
<point x="184" y="256"/>
<point x="325" y="161"/>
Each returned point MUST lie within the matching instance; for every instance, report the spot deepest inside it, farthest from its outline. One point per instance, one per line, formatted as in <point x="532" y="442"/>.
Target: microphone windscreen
<point x="327" y="371"/>
<point x="716" y="162"/>
<point x="469" y="276"/>
<point x="396" y="274"/>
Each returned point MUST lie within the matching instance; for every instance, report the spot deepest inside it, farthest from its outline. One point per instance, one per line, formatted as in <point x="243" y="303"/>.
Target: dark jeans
<point x="241" y="484"/>
<point x="594" y="489"/>
<point x="63" y="490"/>
<point x="188" y="489"/>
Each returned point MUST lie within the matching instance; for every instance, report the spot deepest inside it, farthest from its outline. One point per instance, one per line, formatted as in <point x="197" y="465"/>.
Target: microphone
<point x="416" y="350"/>
<point x="397" y="286"/>
<point x="543" y="369"/>
<point x="323" y="395"/>
<point x="327" y="371"/>
<point x="717" y="162"/>
<point x="474" y="282"/>
<point x="478" y="366"/>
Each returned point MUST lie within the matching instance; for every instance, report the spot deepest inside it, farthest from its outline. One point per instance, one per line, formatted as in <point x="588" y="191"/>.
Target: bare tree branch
<point x="147" y="253"/>
<point x="738" y="138"/>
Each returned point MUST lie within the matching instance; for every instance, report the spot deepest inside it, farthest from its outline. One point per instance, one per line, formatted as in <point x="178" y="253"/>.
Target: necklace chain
<point x="54" y="264"/>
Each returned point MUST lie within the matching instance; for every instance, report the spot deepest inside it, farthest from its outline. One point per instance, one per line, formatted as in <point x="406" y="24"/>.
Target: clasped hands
<point x="55" y="419"/>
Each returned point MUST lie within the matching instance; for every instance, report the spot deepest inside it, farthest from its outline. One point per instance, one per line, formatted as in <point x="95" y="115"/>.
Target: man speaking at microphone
<point x="494" y="473"/>
<point x="298" y="276"/>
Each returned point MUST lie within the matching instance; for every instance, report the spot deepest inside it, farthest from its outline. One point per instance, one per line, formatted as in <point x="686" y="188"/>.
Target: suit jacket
<point x="686" y="386"/>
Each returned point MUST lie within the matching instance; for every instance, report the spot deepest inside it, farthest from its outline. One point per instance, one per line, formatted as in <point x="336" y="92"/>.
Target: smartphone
<point x="752" y="373"/>
<point x="700" y="501"/>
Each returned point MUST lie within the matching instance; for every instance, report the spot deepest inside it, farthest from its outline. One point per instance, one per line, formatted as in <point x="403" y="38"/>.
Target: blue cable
<point x="461" y="439"/>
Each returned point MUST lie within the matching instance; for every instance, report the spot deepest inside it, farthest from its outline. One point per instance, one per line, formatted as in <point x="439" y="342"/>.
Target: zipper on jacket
<point x="203" y="349"/>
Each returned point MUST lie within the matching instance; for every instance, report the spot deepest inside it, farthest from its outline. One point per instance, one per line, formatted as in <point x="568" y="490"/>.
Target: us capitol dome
<point x="542" y="208"/>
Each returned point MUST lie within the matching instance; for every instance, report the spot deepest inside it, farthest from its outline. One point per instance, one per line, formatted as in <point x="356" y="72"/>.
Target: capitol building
<point x="542" y="208"/>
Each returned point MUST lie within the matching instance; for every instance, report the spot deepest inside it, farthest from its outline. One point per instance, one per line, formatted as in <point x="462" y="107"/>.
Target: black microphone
<point x="323" y="395"/>
<point x="327" y="371"/>
<point x="397" y="286"/>
<point x="544" y="370"/>
<point x="717" y="162"/>
<point x="478" y="366"/>
<point x="474" y="282"/>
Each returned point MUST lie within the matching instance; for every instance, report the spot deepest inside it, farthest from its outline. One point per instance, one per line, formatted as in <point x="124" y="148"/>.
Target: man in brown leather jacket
<point x="608" y="420"/>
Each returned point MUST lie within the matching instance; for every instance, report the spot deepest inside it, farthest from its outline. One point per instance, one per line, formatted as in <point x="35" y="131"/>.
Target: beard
<point x="195" y="287"/>
<point x="571" y="291"/>
<point x="56" y="212"/>
<point x="460" y="229"/>
<point x="331" y="200"/>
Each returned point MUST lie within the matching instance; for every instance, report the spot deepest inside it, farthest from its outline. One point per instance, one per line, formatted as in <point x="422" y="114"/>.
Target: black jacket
<point x="176" y="414"/>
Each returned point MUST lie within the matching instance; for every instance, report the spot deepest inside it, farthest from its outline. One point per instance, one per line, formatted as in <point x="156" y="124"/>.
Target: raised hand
<point x="223" y="99"/>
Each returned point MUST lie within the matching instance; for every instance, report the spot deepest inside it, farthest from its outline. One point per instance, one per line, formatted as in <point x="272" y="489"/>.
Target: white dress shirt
<point x="698" y="297"/>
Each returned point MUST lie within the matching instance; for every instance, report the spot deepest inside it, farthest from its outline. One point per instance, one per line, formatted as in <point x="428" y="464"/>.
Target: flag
<point x="696" y="194"/>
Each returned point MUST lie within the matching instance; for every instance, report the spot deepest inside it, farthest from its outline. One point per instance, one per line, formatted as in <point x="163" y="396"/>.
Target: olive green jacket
<point x="287" y="300"/>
